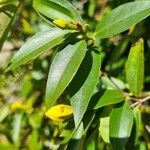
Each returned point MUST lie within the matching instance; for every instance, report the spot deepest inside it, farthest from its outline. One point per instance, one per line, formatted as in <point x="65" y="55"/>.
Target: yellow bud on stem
<point x="60" y="23"/>
<point x="64" y="24"/>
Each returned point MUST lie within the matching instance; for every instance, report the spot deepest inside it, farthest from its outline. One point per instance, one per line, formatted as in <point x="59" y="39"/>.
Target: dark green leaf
<point x="76" y="141"/>
<point x="63" y="69"/>
<point x="86" y="122"/>
<point x="60" y="9"/>
<point x="37" y="45"/>
<point x="109" y="97"/>
<point x="135" y="68"/>
<point x="83" y="85"/>
<point x="121" y="121"/>
<point x="123" y="17"/>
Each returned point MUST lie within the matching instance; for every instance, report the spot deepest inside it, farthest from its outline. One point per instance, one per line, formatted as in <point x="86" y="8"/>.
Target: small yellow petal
<point x="18" y="105"/>
<point x="59" y="112"/>
<point x="60" y="22"/>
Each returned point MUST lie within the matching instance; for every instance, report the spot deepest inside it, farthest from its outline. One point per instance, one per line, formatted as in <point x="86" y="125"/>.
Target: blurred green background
<point x="23" y="124"/>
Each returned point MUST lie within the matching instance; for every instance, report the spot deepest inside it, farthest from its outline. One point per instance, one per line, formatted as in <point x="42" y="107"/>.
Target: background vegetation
<point x="23" y="124"/>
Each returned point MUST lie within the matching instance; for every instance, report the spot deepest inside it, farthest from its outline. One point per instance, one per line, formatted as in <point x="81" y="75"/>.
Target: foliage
<point x="97" y="90"/>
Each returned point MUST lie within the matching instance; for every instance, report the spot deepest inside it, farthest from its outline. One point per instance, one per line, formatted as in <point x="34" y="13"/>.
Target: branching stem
<point x="140" y="101"/>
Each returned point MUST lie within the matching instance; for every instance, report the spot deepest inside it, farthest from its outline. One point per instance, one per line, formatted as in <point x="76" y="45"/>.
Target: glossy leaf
<point x="135" y="68"/>
<point x="62" y="70"/>
<point x="83" y="85"/>
<point x="104" y="128"/>
<point x="121" y="121"/>
<point x="123" y="17"/>
<point x="60" y="9"/>
<point x="109" y="97"/>
<point x="37" y="45"/>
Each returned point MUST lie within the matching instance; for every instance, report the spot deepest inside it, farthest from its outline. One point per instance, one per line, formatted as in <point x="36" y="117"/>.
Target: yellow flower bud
<point x="18" y="105"/>
<point x="64" y="24"/>
<point x="59" y="112"/>
<point x="60" y="23"/>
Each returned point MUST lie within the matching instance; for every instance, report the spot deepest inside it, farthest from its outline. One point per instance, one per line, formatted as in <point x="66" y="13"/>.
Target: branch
<point x="141" y="101"/>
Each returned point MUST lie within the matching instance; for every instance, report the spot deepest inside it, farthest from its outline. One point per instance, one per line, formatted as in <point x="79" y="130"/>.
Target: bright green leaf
<point x="83" y="85"/>
<point x="138" y="123"/>
<point x="136" y="133"/>
<point x="123" y="17"/>
<point x="62" y="70"/>
<point x="113" y="83"/>
<point x="32" y="141"/>
<point x="135" y="68"/>
<point x="109" y="97"/>
<point x="37" y="45"/>
<point x="16" y="127"/>
<point x="121" y="121"/>
<point x="4" y="112"/>
<point x="104" y="128"/>
<point x="60" y="9"/>
<point x="91" y="145"/>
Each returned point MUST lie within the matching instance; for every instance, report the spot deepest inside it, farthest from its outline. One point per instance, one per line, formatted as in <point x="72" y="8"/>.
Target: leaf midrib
<point x="63" y="77"/>
<point x="31" y="52"/>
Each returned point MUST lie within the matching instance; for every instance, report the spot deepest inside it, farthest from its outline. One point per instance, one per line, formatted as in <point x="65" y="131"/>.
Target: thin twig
<point x="147" y="128"/>
<point x="141" y="101"/>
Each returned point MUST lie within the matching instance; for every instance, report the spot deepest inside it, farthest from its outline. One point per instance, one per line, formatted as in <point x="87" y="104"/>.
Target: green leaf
<point x="136" y="133"/>
<point x="33" y="142"/>
<point x="121" y="121"/>
<point x="138" y="123"/>
<point x="76" y="142"/>
<point x="6" y="2"/>
<point x="35" y="119"/>
<point x="123" y="17"/>
<point x="37" y="45"/>
<point x="60" y="9"/>
<point x="135" y="68"/>
<point x="4" y="112"/>
<point x="109" y="97"/>
<point x="112" y="83"/>
<point x="91" y="145"/>
<point x="62" y="70"/>
<point x="104" y="128"/>
<point x="86" y="123"/>
<point x="7" y="14"/>
<point x="83" y="85"/>
<point x="17" y="127"/>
